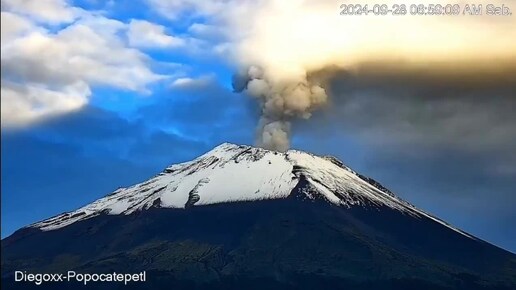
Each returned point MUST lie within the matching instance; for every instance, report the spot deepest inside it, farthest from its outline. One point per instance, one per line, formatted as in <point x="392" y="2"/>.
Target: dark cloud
<point x="457" y="186"/>
<point x="443" y="141"/>
<point x="433" y="108"/>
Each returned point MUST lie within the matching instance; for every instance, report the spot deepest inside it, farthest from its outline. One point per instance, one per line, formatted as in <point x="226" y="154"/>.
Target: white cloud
<point x="74" y="53"/>
<point x="206" y="31"/>
<point x="21" y="104"/>
<point x="214" y="26"/>
<point x="13" y="25"/>
<point x="174" y="9"/>
<point x="145" y="34"/>
<point x="188" y="82"/>
<point x="48" y="11"/>
<point x="47" y="72"/>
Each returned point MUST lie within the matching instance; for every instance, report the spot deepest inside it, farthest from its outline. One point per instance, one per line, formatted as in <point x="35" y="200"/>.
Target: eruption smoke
<point x="281" y="45"/>
<point x="280" y="102"/>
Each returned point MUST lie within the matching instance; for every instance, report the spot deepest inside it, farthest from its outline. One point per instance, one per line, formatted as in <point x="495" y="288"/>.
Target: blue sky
<point x="102" y="94"/>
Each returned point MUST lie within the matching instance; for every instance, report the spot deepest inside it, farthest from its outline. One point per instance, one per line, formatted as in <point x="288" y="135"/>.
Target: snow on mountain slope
<point x="230" y="173"/>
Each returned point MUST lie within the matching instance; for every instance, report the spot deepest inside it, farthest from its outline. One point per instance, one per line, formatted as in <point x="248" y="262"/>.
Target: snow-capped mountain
<point x="240" y="217"/>
<point x="231" y="173"/>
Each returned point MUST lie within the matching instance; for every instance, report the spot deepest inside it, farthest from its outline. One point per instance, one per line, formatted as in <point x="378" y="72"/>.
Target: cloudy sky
<point x="101" y="94"/>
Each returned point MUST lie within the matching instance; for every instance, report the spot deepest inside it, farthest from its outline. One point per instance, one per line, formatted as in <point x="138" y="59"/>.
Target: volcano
<point x="240" y="217"/>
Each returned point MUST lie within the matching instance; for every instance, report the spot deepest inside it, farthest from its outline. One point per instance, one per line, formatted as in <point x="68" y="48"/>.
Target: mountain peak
<point x="237" y="173"/>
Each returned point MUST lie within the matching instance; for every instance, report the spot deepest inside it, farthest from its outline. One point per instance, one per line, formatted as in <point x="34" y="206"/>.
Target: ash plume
<point x="281" y="47"/>
<point x="280" y="101"/>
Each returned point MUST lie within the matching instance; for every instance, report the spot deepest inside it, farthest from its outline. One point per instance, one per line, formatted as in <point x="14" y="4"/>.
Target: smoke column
<point x="280" y="102"/>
